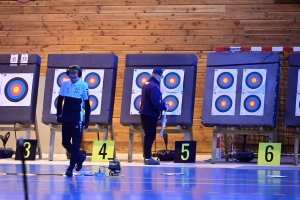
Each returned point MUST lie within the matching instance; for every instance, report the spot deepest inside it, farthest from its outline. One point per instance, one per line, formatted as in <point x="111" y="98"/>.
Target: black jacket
<point x="151" y="103"/>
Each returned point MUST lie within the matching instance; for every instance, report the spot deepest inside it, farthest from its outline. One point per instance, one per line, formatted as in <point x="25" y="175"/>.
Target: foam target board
<point x="19" y="80"/>
<point x="241" y="89"/>
<point x="177" y="86"/>
<point x="292" y="107"/>
<point x="98" y="71"/>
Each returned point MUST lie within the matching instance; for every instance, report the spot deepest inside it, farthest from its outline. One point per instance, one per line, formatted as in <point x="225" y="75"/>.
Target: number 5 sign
<point x="269" y="153"/>
<point x="185" y="151"/>
<point x="103" y="150"/>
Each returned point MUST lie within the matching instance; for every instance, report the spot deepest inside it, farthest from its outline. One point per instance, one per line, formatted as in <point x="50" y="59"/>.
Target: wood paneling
<point x="146" y="26"/>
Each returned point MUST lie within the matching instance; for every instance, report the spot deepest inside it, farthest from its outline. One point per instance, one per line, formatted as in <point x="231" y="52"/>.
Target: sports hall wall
<point x="138" y="27"/>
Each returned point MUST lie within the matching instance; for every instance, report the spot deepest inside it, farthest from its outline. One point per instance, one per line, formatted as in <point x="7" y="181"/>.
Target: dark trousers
<point x="72" y="130"/>
<point x="149" y="124"/>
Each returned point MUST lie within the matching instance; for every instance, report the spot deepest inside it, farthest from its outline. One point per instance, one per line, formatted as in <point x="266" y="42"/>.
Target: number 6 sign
<point x="269" y="153"/>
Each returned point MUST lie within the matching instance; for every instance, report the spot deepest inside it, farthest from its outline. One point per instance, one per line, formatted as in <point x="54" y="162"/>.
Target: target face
<point x="140" y="77"/>
<point x="223" y="103"/>
<point x="225" y="80"/>
<point x="61" y="78"/>
<point x="94" y="102"/>
<point x="16" y="89"/>
<point x="172" y="81"/>
<point x="254" y="80"/>
<point x="252" y="104"/>
<point x="175" y="103"/>
<point x="172" y="101"/>
<point x="94" y="79"/>
<point x="136" y="100"/>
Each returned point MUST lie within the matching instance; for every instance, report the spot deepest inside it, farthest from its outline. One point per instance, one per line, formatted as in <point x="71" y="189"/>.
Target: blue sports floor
<point x="179" y="182"/>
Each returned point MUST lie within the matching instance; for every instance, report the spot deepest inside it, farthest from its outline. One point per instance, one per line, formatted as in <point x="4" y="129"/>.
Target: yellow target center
<point x="223" y="103"/>
<point x="16" y="89"/>
<point x="170" y="103"/>
<point x="254" y="80"/>
<point x="252" y="103"/>
<point x="172" y="80"/>
<point x="92" y="80"/>
<point x="64" y="79"/>
<point x="225" y="80"/>
<point x="144" y="80"/>
<point x="91" y="103"/>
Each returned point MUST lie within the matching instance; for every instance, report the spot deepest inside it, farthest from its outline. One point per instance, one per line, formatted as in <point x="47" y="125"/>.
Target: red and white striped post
<point x="257" y="49"/>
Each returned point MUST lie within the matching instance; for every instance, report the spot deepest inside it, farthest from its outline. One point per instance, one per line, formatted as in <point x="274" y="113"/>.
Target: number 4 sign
<point x="269" y="153"/>
<point x="103" y="150"/>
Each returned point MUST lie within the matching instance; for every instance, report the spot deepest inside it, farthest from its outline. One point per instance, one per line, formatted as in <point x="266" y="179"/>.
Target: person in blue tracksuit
<point x="150" y="112"/>
<point x="74" y="93"/>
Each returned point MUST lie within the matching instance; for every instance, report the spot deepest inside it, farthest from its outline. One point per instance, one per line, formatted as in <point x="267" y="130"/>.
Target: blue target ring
<point x="173" y="102"/>
<point x="172" y="80"/>
<point x="94" y="102"/>
<point x="252" y="103"/>
<point x="223" y="103"/>
<point x="225" y="80"/>
<point x="254" y="80"/>
<point x="55" y="102"/>
<point x="93" y="80"/>
<point x="61" y="78"/>
<point x="142" y="78"/>
<point x="137" y="102"/>
<point x="16" y="89"/>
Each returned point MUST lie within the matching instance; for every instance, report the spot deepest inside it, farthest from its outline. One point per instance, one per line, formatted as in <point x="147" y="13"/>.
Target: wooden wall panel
<point x="145" y="26"/>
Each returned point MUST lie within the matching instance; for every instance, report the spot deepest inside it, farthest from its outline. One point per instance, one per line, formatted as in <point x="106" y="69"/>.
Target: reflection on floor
<point x="201" y="180"/>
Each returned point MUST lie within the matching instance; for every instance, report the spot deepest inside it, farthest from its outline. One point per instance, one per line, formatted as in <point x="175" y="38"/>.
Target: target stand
<point x="19" y="81"/>
<point x="99" y="71"/>
<point x="177" y="87"/>
<point x="241" y="91"/>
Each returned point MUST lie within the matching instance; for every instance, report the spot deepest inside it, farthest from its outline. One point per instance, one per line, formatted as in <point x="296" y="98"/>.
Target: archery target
<point x="95" y="103"/>
<point x="297" y="106"/>
<point x="140" y="77"/>
<point x="59" y="77"/>
<point x="175" y="103"/>
<point x="254" y="80"/>
<point x="94" y="79"/>
<point x="54" y="102"/>
<point x="16" y="89"/>
<point x="172" y="81"/>
<point x="223" y="103"/>
<point x="225" y="80"/>
<point x="135" y="104"/>
<point x="252" y="104"/>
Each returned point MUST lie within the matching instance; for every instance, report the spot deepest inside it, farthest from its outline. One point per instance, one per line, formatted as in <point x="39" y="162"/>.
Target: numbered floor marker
<point x="185" y="152"/>
<point x="29" y="150"/>
<point x="103" y="150"/>
<point x="269" y="153"/>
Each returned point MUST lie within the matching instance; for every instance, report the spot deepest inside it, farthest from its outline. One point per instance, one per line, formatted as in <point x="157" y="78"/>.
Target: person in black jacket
<point x="74" y="92"/>
<point x="150" y="112"/>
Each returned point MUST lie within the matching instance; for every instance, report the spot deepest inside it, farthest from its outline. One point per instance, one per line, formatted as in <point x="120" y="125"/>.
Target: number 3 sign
<point x="269" y="153"/>
<point x="103" y="150"/>
<point x="29" y="150"/>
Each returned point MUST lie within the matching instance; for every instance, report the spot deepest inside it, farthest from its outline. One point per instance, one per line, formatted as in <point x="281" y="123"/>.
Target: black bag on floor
<point x="5" y="152"/>
<point x="165" y="155"/>
<point x="244" y="155"/>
